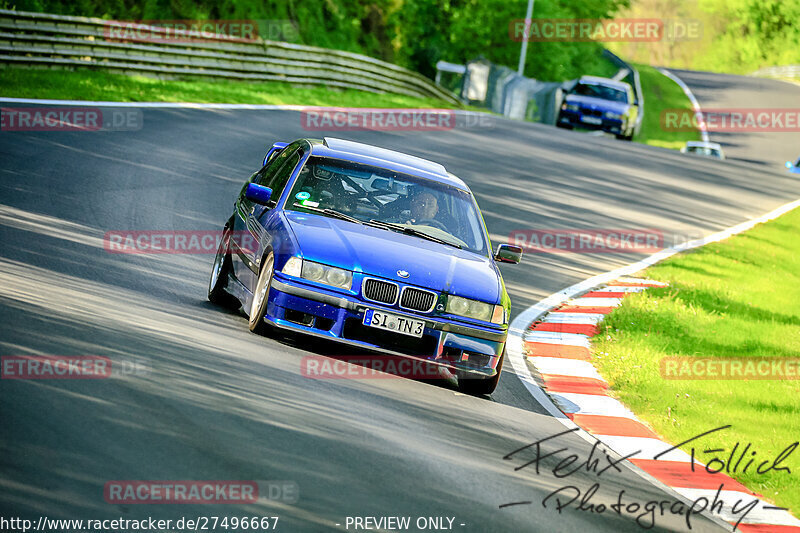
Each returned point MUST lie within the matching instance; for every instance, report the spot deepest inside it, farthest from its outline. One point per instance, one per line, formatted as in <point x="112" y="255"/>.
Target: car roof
<point x="703" y="144"/>
<point x="384" y="158"/>
<point x="605" y="81"/>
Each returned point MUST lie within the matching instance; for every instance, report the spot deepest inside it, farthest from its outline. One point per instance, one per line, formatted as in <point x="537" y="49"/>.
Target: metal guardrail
<point x="444" y="66"/>
<point x="786" y="72"/>
<point x="67" y="42"/>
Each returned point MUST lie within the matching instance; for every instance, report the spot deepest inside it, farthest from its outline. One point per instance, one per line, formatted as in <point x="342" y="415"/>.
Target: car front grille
<point x="417" y="299"/>
<point x="380" y="291"/>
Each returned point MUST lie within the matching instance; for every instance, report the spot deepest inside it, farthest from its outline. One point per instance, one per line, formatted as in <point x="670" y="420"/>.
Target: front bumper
<point x="574" y="119"/>
<point x="463" y="349"/>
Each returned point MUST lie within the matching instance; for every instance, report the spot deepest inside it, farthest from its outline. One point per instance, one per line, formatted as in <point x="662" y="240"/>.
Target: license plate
<point x="390" y="322"/>
<point x="592" y="120"/>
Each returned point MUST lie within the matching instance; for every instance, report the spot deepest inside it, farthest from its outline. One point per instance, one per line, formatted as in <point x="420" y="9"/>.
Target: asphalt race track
<point x="726" y="92"/>
<point x="219" y="403"/>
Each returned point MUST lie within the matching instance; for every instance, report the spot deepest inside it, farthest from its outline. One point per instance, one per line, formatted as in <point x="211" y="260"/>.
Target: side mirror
<point x="508" y="253"/>
<point x="789" y="164"/>
<point x="258" y="193"/>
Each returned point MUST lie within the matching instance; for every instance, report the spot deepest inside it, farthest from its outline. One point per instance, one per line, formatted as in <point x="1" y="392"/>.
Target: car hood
<point x="597" y="103"/>
<point x="381" y="253"/>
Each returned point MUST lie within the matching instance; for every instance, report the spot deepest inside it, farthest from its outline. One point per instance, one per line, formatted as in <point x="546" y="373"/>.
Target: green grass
<point x="737" y="298"/>
<point x="732" y="36"/>
<point x="661" y="93"/>
<point x="97" y="85"/>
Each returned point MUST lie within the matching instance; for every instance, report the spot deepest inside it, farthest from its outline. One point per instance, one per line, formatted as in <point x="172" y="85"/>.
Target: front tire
<point x="484" y="386"/>
<point x="624" y="137"/>
<point x="258" y="308"/>
<point x="219" y="274"/>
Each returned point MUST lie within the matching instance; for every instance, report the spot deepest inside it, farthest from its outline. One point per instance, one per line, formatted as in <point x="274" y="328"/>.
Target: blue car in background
<point x="794" y="168"/>
<point x="600" y="104"/>
<point x="370" y="247"/>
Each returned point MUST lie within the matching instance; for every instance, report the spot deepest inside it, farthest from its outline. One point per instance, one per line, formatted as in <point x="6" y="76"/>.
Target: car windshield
<point x="703" y="150"/>
<point x="392" y="200"/>
<point x="601" y="91"/>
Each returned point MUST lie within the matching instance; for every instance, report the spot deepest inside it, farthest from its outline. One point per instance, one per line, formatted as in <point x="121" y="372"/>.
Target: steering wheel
<point x="431" y="222"/>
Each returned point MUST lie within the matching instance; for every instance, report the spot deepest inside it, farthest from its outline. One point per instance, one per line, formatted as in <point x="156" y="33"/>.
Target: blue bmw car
<point x="369" y="247"/>
<point x="600" y="104"/>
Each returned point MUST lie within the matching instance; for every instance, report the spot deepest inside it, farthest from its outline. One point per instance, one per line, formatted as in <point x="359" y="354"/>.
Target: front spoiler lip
<point x="574" y="118"/>
<point x="457" y="366"/>
<point x="344" y="303"/>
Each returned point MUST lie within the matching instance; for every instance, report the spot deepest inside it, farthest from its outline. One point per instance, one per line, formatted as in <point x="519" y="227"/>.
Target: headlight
<point x="475" y="309"/>
<point x="337" y="277"/>
<point x="293" y="267"/>
<point x="609" y="114"/>
<point x="458" y="306"/>
<point x="311" y="271"/>
<point x="573" y="107"/>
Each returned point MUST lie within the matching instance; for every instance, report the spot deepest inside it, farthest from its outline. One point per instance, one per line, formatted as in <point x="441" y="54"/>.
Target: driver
<point x="424" y="206"/>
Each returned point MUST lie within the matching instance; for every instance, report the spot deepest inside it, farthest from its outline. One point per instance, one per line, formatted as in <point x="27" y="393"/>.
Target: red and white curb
<point x="558" y="346"/>
<point x="553" y="336"/>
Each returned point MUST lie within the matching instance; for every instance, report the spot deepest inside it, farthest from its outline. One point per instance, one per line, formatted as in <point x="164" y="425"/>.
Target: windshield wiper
<point x="332" y="213"/>
<point x="411" y="231"/>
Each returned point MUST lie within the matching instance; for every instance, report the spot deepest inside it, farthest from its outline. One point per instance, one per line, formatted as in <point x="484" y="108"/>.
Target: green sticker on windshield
<point x="303" y="195"/>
